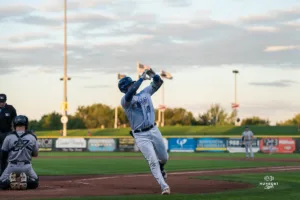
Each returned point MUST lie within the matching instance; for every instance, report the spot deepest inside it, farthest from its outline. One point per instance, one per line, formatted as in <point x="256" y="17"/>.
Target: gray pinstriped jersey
<point x="20" y="149"/>
<point x="247" y="135"/>
<point x="140" y="111"/>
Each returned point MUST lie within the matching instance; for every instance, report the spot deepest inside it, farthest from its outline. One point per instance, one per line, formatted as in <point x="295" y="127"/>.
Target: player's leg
<point x="9" y="177"/>
<point x="4" y="185"/>
<point x="28" y="178"/>
<point x="32" y="179"/>
<point x="246" y="147"/>
<point x="4" y="180"/>
<point x="160" y="149"/>
<point x="145" y="145"/>
<point x="251" y="151"/>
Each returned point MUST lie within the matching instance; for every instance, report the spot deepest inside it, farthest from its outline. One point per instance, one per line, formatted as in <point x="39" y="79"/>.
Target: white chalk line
<point x="274" y="169"/>
<point x="287" y="169"/>
<point x="83" y="183"/>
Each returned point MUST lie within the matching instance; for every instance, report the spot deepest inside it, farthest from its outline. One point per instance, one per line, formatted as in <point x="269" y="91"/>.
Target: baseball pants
<point x="248" y="146"/>
<point x="19" y="168"/>
<point x="152" y="146"/>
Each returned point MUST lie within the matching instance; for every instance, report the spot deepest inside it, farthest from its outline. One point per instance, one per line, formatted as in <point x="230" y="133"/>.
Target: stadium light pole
<point x="116" y="117"/>
<point x="163" y="75"/>
<point x="163" y="103"/>
<point x="235" y="72"/>
<point x="64" y="119"/>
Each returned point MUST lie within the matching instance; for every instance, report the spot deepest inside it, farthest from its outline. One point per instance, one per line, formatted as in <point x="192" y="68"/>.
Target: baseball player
<point x="247" y="138"/>
<point x="7" y="114"/>
<point x="19" y="147"/>
<point x="141" y="115"/>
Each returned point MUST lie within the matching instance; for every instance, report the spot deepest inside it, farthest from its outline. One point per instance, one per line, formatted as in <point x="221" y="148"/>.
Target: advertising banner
<point x="182" y="145"/>
<point x="277" y="145"/>
<point x="127" y="144"/>
<point x="268" y="145"/>
<point x="70" y="144"/>
<point x="45" y="144"/>
<point x="71" y="149"/>
<point x="287" y="145"/>
<point x="102" y="145"/>
<point x="211" y="144"/>
<point x="234" y="145"/>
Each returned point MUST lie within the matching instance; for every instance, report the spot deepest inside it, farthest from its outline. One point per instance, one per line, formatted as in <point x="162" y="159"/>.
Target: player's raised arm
<point x="155" y="85"/>
<point x="129" y="87"/>
<point x="132" y="90"/>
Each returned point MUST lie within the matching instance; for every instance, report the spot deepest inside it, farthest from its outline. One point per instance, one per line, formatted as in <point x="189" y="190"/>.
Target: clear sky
<point x="199" y="42"/>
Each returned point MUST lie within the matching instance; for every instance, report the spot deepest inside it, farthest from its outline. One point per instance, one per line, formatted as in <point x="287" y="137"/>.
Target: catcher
<point x="247" y="138"/>
<point x="18" y="148"/>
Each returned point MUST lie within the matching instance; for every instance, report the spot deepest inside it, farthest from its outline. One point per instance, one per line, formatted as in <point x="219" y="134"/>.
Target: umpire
<point x="7" y="114"/>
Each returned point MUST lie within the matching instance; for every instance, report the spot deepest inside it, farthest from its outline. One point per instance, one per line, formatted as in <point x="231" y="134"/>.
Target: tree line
<point x="294" y="121"/>
<point x="101" y="115"/>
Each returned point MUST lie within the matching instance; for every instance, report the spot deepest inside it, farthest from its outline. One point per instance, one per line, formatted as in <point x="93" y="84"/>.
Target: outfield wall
<point x="231" y="144"/>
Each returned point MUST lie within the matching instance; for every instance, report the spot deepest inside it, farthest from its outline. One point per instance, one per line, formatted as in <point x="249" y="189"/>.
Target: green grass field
<point x="70" y="163"/>
<point x="185" y="131"/>
<point x="51" y="164"/>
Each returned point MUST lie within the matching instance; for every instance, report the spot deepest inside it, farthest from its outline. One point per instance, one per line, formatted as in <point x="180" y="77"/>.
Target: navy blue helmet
<point x="124" y="83"/>
<point x="20" y="120"/>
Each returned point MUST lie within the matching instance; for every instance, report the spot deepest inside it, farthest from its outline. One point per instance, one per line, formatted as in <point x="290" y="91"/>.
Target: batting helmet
<point x="124" y="83"/>
<point x="20" y="120"/>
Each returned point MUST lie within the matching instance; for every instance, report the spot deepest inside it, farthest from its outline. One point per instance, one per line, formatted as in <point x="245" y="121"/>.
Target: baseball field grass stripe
<point x="73" y="166"/>
<point x="204" y="172"/>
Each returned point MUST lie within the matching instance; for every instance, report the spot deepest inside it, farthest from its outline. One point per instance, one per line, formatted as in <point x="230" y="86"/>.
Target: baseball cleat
<point x="13" y="177"/>
<point x="13" y="181"/>
<point x="166" y="191"/>
<point x="23" y="181"/>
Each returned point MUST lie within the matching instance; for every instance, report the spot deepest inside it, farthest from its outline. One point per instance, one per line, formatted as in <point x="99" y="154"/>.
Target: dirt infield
<point x="180" y="183"/>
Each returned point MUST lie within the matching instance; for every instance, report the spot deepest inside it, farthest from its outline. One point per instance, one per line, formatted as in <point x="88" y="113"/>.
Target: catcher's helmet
<point x="20" y="120"/>
<point x="124" y="83"/>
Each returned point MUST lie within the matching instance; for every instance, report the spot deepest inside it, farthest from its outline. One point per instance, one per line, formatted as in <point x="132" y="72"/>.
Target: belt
<point x="16" y="162"/>
<point x="143" y="129"/>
